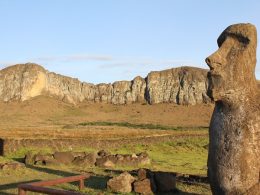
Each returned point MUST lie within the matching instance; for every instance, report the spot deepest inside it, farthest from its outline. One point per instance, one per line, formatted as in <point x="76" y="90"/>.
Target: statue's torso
<point x="234" y="149"/>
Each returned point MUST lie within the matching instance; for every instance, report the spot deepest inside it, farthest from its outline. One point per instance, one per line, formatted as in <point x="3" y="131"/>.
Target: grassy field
<point x="175" y="137"/>
<point x="187" y="154"/>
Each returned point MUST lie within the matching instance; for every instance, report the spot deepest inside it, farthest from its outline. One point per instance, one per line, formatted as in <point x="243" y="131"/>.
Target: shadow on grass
<point x="51" y="171"/>
<point x="95" y="181"/>
<point x="57" y="172"/>
<point x="12" y="186"/>
<point x="98" y="182"/>
<point x="21" y="160"/>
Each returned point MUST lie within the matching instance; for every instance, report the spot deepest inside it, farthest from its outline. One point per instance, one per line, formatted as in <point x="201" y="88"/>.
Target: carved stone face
<point x="232" y="65"/>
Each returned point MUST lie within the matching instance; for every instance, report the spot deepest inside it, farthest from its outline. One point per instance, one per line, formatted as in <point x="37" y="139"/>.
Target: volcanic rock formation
<point x="234" y="145"/>
<point x="184" y="85"/>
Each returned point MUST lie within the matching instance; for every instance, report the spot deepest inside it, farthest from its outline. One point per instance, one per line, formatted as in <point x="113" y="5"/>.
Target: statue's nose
<point x="209" y="61"/>
<point x="215" y="59"/>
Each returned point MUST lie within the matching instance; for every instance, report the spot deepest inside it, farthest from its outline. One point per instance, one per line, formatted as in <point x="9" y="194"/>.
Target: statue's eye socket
<point x="243" y="40"/>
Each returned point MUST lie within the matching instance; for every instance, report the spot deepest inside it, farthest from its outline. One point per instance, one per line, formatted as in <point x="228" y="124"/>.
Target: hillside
<point x="184" y="85"/>
<point x="45" y="112"/>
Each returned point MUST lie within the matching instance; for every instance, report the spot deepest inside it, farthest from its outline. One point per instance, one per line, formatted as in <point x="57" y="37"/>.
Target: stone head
<point x="232" y="66"/>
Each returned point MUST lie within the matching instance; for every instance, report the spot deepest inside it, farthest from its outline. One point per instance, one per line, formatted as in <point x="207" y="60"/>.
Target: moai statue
<point x="234" y="133"/>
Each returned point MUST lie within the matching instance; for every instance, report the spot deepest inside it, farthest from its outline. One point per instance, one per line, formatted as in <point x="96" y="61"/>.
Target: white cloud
<point x="45" y="59"/>
<point x="114" y="65"/>
<point x="73" y="58"/>
<point x="147" y="64"/>
<point x="108" y="61"/>
<point x="89" y="58"/>
<point x="54" y="59"/>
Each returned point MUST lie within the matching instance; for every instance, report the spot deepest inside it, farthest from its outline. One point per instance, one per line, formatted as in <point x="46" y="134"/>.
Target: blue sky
<point x="108" y="40"/>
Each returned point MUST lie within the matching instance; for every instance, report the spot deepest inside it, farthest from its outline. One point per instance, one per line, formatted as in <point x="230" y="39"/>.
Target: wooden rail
<point x="40" y="186"/>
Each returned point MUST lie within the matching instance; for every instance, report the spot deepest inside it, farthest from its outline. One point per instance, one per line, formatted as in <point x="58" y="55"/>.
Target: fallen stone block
<point x="64" y="157"/>
<point x="42" y="157"/>
<point x="78" y="154"/>
<point x="12" y="165"/>
<point x="103" y="153"/>
<point x="146" y="186"/>
<point x="29" y="158"/>
<point x="87" y="160"/>
<point x="121" y="183"/>
<point x="105" y="162"/>
<point x="144" y="174"/>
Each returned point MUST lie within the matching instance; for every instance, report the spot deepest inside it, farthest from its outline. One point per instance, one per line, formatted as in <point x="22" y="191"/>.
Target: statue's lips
<point x="214" y="84"/>
<point x="213" y="73"/>
<point x="214" y="80"/>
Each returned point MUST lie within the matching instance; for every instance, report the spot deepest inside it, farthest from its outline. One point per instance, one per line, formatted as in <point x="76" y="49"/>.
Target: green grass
<point x="138" y="126"/>
<point x="183" y="155"/>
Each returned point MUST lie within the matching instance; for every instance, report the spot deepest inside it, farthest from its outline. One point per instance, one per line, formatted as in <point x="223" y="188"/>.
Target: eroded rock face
<point x="183" y="85"/>
<point x="178" y="85"/>
<point x="22" y="82"/>
<point x="233" y="160"/>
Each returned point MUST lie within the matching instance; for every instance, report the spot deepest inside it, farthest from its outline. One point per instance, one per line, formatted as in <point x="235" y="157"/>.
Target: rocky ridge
<point x="184" y="85"/>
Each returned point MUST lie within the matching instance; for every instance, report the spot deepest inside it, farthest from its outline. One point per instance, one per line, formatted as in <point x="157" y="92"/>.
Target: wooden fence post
<point x="21" y="191"/>
<point x="81" y="184"/>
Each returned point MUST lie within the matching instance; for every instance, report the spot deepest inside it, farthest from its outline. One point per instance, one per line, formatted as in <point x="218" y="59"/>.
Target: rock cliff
<point x="184" y="85"/>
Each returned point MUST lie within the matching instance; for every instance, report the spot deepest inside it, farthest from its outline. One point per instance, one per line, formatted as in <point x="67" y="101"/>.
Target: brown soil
<point x="43" y="112"/>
